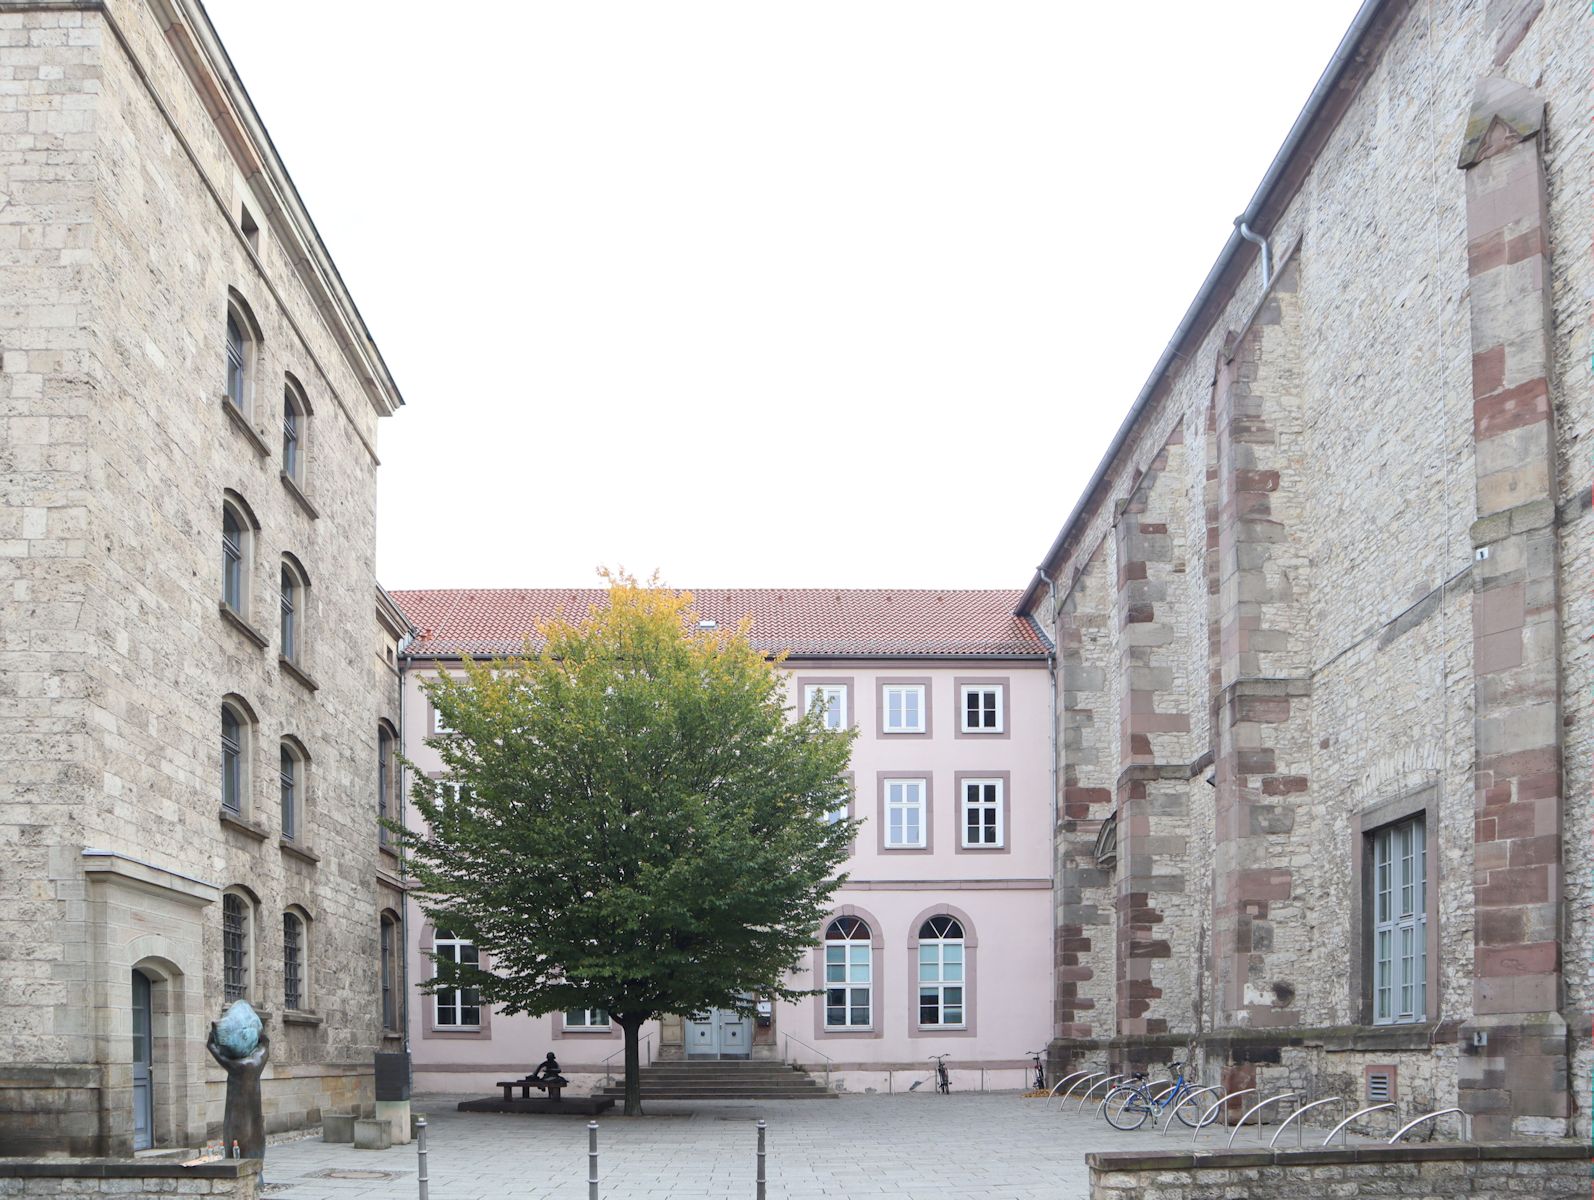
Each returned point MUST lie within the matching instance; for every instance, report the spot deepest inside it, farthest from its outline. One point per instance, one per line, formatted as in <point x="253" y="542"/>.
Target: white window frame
<point x="1399" y="950"/>
<point x="455" y="949"/>
<point x="887" y="691"/>
<point x="440" y="727"/>
<point x="897" y="802"/>
<point x="947" y="971"/>
<point x="995" y="689"/>
<point x="835" y="702"/>
<point x="997" y="801"/>
<point x="843" y="962"/>
<point x="587" y="1018"/>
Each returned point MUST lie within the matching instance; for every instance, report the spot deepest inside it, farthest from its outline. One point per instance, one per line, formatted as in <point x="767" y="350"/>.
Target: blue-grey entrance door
<point x="143" y="1047"/>
<point x="718" y="1033"/>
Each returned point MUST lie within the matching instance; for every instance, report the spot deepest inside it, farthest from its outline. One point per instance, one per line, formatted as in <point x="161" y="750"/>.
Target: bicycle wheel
<point x="1126" y="1108"/>
<point x="1188" y="1109"/>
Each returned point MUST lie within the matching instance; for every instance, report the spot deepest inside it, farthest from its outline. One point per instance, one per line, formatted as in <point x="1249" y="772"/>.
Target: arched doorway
<point x="143" y="1063"/>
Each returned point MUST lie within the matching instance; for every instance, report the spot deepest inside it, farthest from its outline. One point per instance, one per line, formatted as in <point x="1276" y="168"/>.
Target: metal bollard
<point x="760" y="1160"/>
<point x="420" y="1152"/>
<point x="592" y="1160"/>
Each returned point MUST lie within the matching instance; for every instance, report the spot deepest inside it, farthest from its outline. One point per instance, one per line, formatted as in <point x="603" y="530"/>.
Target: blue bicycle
<point x="1129" y="1104"/>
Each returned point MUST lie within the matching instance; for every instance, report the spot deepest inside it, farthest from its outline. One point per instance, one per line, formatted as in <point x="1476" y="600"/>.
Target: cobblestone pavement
<point x="921" y="1146"/>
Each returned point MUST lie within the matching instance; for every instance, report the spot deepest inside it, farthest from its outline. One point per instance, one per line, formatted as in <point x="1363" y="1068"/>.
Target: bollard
<point x="592" y="1160"/>
<point x="420" y="1152"/>
<point x="760" y="1160"/>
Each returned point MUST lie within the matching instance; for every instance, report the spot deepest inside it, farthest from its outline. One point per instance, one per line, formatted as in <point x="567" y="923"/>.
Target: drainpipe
<point x="1051" y="731"/>
<point x="1267" y="253"/>
<point x="404" y="899"/>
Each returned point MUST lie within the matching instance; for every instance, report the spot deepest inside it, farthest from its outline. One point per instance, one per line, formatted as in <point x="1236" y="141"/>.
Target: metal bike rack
<point x="1175" y="1106"/>
<point x="1206" y="1117"/>
<point x="1302" y="1109"/>
<point x="1149" y="1086"/>
<point x="1100" y="1083"/>
<point x="1256" y="1108"/>
<point x="1063" y="1080"/>
<point x="1077" y="1082"/>
<point x="1360" y="1112"/>
<point x="1443" y="1112"/>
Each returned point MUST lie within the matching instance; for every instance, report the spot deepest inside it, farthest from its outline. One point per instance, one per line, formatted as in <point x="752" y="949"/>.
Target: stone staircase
<point x="726" y="1079"/>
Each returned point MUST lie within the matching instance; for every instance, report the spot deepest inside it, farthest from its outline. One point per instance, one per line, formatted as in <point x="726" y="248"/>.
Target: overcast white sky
<point x="770" y="294"/>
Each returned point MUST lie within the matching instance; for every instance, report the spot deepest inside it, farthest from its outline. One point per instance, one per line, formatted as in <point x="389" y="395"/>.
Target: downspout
<point x="1267" y="253"/>
<point x="1051" y="736"/>
<point x="404" y="898"/>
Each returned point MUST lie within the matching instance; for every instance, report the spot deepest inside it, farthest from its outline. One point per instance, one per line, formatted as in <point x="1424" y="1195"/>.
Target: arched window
<point x="384" y="779"/>
<point x="290" y="776"/>
<point x="941" y="973"/>
<point x="458" y="1007"/>
<point x="234" y="737"/>
<point x="389" y="940"/>
<point x="243" y="345"/>
<point x="295" y="419"/>
<point x="236" y="930"/>
<point x="233" y="537"/>
<point x="293" y="590"/>
<point x="849" y="975"/>
<point x="295" y="960"/>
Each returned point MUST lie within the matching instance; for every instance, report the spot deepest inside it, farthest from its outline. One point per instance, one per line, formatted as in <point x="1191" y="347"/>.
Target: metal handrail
<point x="1303" y="1108"/>
<point x="608" y="1075"/>
<point x="1206" y="1117"/>
<point x="1177" y="1104"/>
<point x="1099" y="1083"/>
<point x="1404" y="1129"/>
<point x="1149" y="1086"/>
<point x="806" y="1046"/>
<point x="1063" y="1080"/>
<point x="1257" y="1108"/>
<point x="1077" y="1082"/>
<point x="1360" y="1112"/>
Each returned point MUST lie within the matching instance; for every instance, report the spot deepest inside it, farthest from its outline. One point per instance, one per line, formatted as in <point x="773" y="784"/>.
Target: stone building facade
<point x="1324" y="705"/>
<point x="949" y="693"/>
<point x="195" y="659"/>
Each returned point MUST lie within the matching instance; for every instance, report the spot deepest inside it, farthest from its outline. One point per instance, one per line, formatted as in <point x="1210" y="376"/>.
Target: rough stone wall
<point x="120" y="452"/>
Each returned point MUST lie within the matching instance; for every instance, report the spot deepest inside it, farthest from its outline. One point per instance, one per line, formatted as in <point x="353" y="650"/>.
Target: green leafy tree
<point x="640" y="826"/>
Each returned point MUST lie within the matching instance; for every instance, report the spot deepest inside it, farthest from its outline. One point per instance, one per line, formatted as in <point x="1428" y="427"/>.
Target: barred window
<point x="234" y="947"/>
<point x="389" y="966"/>
<point x="292" y="961"/>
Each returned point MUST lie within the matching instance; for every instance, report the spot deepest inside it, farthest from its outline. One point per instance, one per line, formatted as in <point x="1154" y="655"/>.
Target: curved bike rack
<point x="1302" y="1109"/>
<point x="1100" y="1083"/>
<point x="1360" y="1112"/>
<point x="1206" y="1118"/>
<point x="1077" y="1082"/>
<point x="1257" y="1108"/>
<point x="1063" y="1080"/>
<point x="1174" y="1107"/>
<point x="1149" y="1086"/>
<point x="1443" y="1112"/>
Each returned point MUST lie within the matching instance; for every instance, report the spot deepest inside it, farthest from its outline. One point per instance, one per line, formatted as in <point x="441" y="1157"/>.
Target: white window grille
<point x="849" y="975"/>
<point x="1400" y="923"/>
<point x="905" y="823"/>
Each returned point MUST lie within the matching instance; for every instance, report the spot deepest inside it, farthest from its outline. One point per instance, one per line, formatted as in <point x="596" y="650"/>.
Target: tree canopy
<point x="631" y="819"/>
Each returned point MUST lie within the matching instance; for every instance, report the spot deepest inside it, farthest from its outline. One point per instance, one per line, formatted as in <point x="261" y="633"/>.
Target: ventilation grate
<point x="1380" y="1084"/>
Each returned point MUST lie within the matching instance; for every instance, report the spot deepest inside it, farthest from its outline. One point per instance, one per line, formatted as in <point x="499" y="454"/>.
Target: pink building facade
<point x="939" y="941"/>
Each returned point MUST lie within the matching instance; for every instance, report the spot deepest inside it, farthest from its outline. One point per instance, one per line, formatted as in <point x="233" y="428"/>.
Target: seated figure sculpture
<point x="547" y="1072"/>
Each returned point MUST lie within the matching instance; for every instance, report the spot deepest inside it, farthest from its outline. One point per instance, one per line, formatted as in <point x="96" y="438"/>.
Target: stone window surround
<point x="388" y="917"/>
<point x="306" y="962"/>
<point x="882" y="824"/>
<point x="1002" y="682"/>
<point x="248" y="731"/>
<point x="251" y="939"/>
<point x="244" y="317"/>
<point x="301" y="609"/>
<point x="971" y="943"/>
<point x="429" y="1028"/>
<point x="291" y="387"/>
<point x="1421" y="801"/>
<point x="301" y="791"/>
<point x="877" y="1011"/>
<point x="249" y="533"/>
<point x="1004" y="808"/>
<point x="846" y="682"/>
<point x="885" y="681"/>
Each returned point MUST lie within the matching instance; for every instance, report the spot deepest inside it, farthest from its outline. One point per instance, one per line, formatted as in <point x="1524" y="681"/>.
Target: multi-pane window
<point x="234" y="947"/>
<point x="982" y="708"/>
<point x="905" y="816"/>
<point x="457" y="1007"/>
<point x="232" y="560"/>
<point x="384" y="779"/>
<point x="1400" y="923"/>
<point x="232" y="761"/>
<point x="292" y="961"/>
<point x="389" y="966"/>
<point x="288" y="777"/>
<point x="439" y="725"/>
<point x="289" y="591"/>
<point x="849" y="975"/>
<point x="903" y="706"/>
<point x="586" y="1018"/>
<point x="941" y="973"/>
<point x="235" y="362"/>
<point x="832" y="699"/>
<point x="982" y="812"/>
<point x="292" y="422"/>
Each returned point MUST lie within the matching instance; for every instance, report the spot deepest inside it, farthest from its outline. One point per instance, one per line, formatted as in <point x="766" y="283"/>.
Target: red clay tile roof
<point x="807" y="622"/>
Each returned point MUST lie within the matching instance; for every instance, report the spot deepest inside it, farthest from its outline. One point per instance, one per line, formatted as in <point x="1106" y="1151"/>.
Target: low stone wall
<point x="1485" y="1171"/>
<point x="239" y="1179"/>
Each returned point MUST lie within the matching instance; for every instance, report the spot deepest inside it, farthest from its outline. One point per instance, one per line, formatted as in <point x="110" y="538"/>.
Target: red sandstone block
<point x="1526" y="404"/>
<point x="1488" y="371"/>
<point x="1500" y="926"/>
<point x="1499" y="609"/>
<point x="1486" y="253"/>
<point x="1515" y="885"/>
<point x="1256" y="481"/>
<point x="1264" y="884"/>
<point x="1537" y="958"/>
<point x="1256" y="762"/>
<point x="1284" y="785"/>
<point x="1525" y="245"/>
<point x="1268" y="710"/>
<point x="1535" y="851"/>
<point x="1493" y="652"/>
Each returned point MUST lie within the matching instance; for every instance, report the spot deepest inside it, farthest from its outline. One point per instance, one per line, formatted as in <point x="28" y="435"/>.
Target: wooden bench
<point x="525" y="1085"/>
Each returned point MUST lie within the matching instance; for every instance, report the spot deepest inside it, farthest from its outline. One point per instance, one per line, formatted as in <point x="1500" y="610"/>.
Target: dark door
<point x="143" y="1098"/>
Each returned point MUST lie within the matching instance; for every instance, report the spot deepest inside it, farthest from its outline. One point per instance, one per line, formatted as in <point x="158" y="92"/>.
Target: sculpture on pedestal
<point x="240" y="1045"/>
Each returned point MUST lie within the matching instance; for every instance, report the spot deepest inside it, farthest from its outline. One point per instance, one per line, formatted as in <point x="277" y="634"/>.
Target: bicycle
<point x="1129" y="1104"/>
<point x="1040" y="1071"/>
<point x="943" y="1081"/>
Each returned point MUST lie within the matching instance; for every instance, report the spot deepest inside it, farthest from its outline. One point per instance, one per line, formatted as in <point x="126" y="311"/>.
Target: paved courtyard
<point x="998" y="1146"/>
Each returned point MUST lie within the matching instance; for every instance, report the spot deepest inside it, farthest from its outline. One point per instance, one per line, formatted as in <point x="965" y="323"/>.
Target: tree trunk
<point x="632" y="1026"/>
